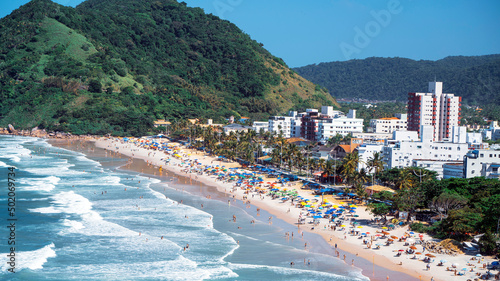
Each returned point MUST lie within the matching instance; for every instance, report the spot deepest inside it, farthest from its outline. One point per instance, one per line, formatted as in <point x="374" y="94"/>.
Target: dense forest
<point x="110" y="66"/>
<point x="475" y="79"/>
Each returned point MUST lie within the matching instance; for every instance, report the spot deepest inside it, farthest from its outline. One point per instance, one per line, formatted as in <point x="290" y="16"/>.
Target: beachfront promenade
<point x="347" y="226"/>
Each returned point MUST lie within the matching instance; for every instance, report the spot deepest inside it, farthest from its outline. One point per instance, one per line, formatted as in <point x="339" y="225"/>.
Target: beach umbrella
<point x="409" y="240"/>
<point x="455" y="265"/>
<point x="359" y="226"/>
<point x="430" y="255"/>
<point x="378" y="235"/>
<point x="478" y="255"/>
<point x="411" y="232"/>
<point x="390" y="240"/>
<point x="401" y="250"/>
<point x="342" y="225"/>
<point x="368" y="232"/>
<point x="394" y="237"/>
<point x="413" y="247"/>
<point x="378" y="244"/>
<point x="495" y="263"/>
<point x="317" y="217"/>
<point x="418" y="253"/>
<point x="384" y="227"/>
<point x="443" y="261"/>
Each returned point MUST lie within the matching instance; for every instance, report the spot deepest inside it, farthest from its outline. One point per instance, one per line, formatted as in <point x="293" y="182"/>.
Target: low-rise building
<point x="453" y="170"/>
<point x="434" y="165"/>
<point x="259" y="126"/>
<point x="493" y="132"/>
<point x="389" y="125"/>
<point x="366" y="152"/>
<point x="235" y="128"/>
<point x="482" y="163"/>
<point x="405" y="147"/>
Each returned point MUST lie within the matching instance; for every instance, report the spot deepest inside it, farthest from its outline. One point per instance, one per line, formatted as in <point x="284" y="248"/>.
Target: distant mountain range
<point x="476" y="79"/>
<point x="114" y="66"/>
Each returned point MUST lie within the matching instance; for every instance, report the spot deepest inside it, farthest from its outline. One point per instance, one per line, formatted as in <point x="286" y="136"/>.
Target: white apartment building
<point x="405" y="147"/>
<point x="436" y="109"/>
<point x="366" y="151"/>
<point x="482" y="163"/>
<point x="342" y="125"/>
<point x="493" y="132"/>
<point x="260" y="125"/>
<point x="281" y="124"/>
<point x="389" y="125"/>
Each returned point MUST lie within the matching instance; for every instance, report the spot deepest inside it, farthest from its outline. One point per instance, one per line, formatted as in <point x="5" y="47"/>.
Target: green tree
<point x="95" y="86"/>
<point x="447" y="201"/>
<point x="408" y="199"/>
<point x="462" y="223"/>
<point x="375" y="165"/>
<point x="379" y="209"/>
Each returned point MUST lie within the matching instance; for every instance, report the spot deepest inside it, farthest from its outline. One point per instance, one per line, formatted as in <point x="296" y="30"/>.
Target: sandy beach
<point x="351" y="245"/>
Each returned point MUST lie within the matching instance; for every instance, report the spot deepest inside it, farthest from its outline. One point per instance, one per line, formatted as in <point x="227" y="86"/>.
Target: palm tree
<point x="375" y="165"/>
<point x="349" y="166"/>
<point x="329" y="169"/>
<point x="404" y="180"/>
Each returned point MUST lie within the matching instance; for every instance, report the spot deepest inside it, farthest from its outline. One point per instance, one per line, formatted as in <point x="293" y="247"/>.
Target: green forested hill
<point x="113" y="66"/>
<point x="475" y="79"/>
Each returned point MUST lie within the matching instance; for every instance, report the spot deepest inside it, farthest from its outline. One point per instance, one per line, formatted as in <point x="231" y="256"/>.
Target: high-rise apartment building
<point x="442" y="111"/>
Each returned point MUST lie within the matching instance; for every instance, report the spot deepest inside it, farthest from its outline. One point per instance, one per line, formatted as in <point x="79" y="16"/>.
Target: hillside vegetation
<point x="475" y="79"/>
<point x="114" y="66"/>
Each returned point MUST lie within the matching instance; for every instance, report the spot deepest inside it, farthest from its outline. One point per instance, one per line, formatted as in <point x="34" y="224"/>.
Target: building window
<point x="481" y="155"/>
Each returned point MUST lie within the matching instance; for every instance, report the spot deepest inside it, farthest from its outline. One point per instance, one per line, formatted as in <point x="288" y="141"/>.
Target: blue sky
<point x="306" y="32"/>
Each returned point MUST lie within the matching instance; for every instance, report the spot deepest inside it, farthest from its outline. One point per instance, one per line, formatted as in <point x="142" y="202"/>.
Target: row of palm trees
<point x="249" y="146"/>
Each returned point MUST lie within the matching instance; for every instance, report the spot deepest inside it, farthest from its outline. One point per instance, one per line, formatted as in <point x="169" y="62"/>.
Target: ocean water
<point x="81" y="217"/>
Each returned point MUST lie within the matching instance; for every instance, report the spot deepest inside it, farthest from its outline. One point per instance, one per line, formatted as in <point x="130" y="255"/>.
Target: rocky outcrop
<point x="11" y="129"/>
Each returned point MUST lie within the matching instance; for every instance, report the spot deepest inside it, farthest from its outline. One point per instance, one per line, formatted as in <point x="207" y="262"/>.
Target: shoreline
<point x="365" y="259"/>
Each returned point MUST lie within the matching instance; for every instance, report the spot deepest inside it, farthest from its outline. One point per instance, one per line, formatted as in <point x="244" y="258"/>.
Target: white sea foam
<point x="30" y="259"/>
<point x="40" y="184"/>
<point x="91" y="222"/>
<point x="2" y="164"/>
<point x="60" y="171"/>
<point x="242" y="235"/>
<point x="73" y="225"/>
<point x="67" y="202"/>
<point x="294" y="271"/>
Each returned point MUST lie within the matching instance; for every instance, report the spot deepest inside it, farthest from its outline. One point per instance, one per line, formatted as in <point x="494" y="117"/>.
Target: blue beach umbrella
<point x="317" y="217"/>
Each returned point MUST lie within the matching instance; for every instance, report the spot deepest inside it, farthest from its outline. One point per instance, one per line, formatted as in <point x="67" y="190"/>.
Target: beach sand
<point x="380" y="264"/>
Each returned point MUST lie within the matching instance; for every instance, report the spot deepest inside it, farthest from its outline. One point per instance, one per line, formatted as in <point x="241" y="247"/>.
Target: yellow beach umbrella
<point x="342" y="225"/>
<point x="341" y="203"/>
<point x="359" y="226"/>
<point x="335" y="206"/>
<point x="384" y="227"/>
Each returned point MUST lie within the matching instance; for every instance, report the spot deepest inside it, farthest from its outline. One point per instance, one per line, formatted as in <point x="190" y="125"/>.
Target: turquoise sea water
<point x="79" y="217"/>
